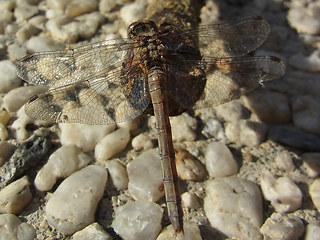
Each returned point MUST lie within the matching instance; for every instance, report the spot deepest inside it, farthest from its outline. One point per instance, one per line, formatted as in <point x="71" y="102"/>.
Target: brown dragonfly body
<point x="161" y="70"/>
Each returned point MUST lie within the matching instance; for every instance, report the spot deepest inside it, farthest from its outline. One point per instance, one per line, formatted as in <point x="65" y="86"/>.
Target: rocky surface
<point x="274" y="129"/>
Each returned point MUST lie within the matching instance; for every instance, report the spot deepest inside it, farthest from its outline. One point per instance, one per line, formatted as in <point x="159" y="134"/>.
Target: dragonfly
<point x="161" y="70"/>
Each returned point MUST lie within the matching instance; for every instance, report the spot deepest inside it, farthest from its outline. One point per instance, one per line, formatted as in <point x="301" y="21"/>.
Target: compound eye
<point x="142" y="28"/>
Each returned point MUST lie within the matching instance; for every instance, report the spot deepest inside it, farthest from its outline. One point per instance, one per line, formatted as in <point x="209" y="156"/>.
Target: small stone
<point x="112" y="144"/>
<point x="15" y="196"/>
<point x="214" y="129"/>
<point x="132" y="12"/>
<point x="234" y="207"/>
<point x="92" y="232"/>
<point x="283" y="193"/>
<point x="78" y="7"/>
<point x="190" y="200"/>
<point x="12" y="228"/>
<point x="142" y="142"/>
<point x="138" y="220"/>
<point x="42" y="44"/>
<point x="118" y="175"/>
<point x="284" y="161"/>
<point x="17" y="97"/>
<point x="252" y="133"/>
<point x="16" y="51"/>
<point x="83" y="136"/>
<point x="72" y="206"/>
<point x="312" y="231"/>
<point x="4" y="117"/>
<point x="61" y="164"/>
<point x="191" y="232"/>
<point x="219" y="160"/>
<point x="132" y="125"/>
<point x="3" y="132"/>
<point x="8" y="76"/>
<point x="306" y="113"/>
<point x="233" y="132"/>
<point x="188" y="167"/>
<point x="57" y="4"/>
<point x="270" y="107"/>
<point x="311" y="161"/>
<point x="306" y="63"/>
<point x="232" y="111"/>
<point x="105" y="6"/>
<point x="282" y="227"/>
<point x="24" y="11"/>
<point x="183" y="128"/>
<point x="145" y="178"/>
<point x="314" y="191"/>
<point x="24" y="33"/>
<point x="6" y="150"/>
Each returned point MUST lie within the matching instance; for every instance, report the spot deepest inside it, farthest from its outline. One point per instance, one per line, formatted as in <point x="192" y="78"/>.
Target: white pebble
<point x="234" y="207"/>
<point x="8" y="76"/>
<point x="219" y="160"/>
<point x="190" y="200"/>
<point x="213" y="128"/>
<point x="233" y="132"/>
<point x="252" y="133"/>
<point x="183" y="128"/>
<point x="12" y="228"/>
<point x="232" y="111"/>
<point x="284" y="161"/>
<point x="105" y="6"/>
<point x="188" y="167"/>
<point x="132" y="12"/>
<point x="4" y="117"/>
<point x="78" y="7"/>
<point x="283" y="193"/>
<point x="61" y="164"/>
<point x="83" y="136"/>
<point x="92" y="232"/>
<point x="312" y="231"/>
<point x="25" y="32"/>
<point x="138" y="220"/>
<point x="15" y="196"/>
<point x="23" y="11"/>
<point x="6" y="150"/>
<point x="142" y="142"/>
<point x="3" y="132"/>
<point x="132" y="125"/>
<point x="118" y="174"/>
<point x="145" y="179"/>
<point x="282" y="227"/>
<point x="314" y="191"/>
<point x="306" y="63"/>
<point x="41" y="44"/>
<point x="72" y="206"/>
<point x="311" y="161"/>
<point x="191" y="232"/>
<point x="16" y="51"/>
<point x="112" y="144"/>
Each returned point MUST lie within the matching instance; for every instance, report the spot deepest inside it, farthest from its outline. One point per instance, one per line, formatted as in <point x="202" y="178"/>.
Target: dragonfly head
<point x="142" y="29"/>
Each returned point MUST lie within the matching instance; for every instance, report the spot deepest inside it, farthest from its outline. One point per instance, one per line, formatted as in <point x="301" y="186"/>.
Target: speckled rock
<point x="284" y="161"/>
<point x="138" y="220"/>
<point x="72" y="206"/>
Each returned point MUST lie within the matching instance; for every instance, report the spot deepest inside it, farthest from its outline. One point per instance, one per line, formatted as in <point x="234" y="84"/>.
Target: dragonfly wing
<point x="101" y="99"/>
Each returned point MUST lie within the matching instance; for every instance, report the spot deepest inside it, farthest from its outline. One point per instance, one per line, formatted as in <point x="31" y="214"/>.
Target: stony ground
<point x="249" y="163"/>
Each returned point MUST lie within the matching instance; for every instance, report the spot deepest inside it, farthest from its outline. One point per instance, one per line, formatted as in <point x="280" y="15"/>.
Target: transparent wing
<point x="216" y="81"/>
<point x="101" y="99"/>
<point x="60" y="68"/>
<point x="227" y="40"/>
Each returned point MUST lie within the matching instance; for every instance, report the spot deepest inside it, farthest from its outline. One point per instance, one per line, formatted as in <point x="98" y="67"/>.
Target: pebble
<point x="112" y="144"/>
<point x="16" y="51"/>
<point x="6" y="150"/>
<point x="294" y="137"/>
<point x="83" y="136"/>
<point x="142" y="142"/>
<point x="25" y="32"/>
<point x="183" y="128"/>
<point x="232" y="111"/>
<point x="8" y="76"/>
<point x="311" y="161"/>
<point x="145" y="178"/>
<point x="306" y="63"/>
<point x="314" y="191"/>
<point x="270" y="107"/>
<point x="284" y="195"/>
<point x="78" y="7"/>
<point x="133" y="125"/>
<point x="282" y="227"/>
<point x="188" y="167"/>
<point x="219" y="160"/>
<point x="23" y="11"/>
<point x="92" y="232"/>
<point x="12" y="228"/>
<point x="3" y="132"/>
<point x="42" y="44"/>
<point x="234" y="207"/>
<point x="57" y="4"/>
<point x="118" y="174"/>
<point x="312" y="231"/>
<point x="105" y="6"/>
<point x="4" y="117"/>
<point x="306" y="113"/>
<point x="283" y="160"/>
<point x="190" y="200"/>
<point x="132" y="12"/>
<point x="61" y="164"/>
<point x="72" y="206"/>
<point x="214" y="129"/>
<point x="17" y="97"/>
<point x="138" y="220"/>
<point x="16" y="196"/>
<point x="191" y="232"/>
